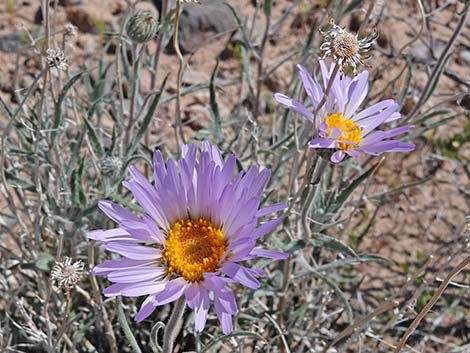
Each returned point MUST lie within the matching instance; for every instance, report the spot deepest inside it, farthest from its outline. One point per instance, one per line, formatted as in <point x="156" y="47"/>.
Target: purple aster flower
<point x="198" y="224"/>
<point x="344" y="128"/>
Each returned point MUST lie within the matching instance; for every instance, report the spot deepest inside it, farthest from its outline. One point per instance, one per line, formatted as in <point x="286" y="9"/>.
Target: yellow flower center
<point x="193" y="246"/>
<point x="349" y="131"/>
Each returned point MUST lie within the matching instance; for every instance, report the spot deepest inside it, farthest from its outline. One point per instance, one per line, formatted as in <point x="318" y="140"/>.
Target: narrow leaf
<point x="60" y="101"/>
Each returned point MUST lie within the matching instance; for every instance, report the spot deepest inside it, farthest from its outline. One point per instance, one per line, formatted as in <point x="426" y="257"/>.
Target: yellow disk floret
<point x="349" y="131"/>
<point x="193" y="246"/>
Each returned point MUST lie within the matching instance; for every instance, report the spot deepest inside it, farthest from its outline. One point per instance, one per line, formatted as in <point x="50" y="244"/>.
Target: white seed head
<point x="70" y="30"/>
<point x="56" y="58"/>
<point x="67" y="273"/>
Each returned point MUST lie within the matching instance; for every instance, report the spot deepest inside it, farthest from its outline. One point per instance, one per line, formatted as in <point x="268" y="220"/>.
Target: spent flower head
<point x="111" y="166"/>
<point x="67" y="273"/>
<point x="56" y="58"/>
<point x="199" y="223"/>
<point x="346" y="48"/>
<point x="343" y="130"/>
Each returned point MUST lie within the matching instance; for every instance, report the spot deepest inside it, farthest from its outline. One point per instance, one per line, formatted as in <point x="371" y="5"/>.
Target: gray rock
<point x="199" y="22"/>
<point x="464" y="56"/>
<point x="13" y="42"/>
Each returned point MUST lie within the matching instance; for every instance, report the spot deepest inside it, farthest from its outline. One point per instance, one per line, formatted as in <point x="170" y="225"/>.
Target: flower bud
<point x="142" y="27"/>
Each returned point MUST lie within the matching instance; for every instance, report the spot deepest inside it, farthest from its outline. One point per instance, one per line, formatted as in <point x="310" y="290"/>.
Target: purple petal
<point x="214" y="153"/>
<point x="111" y="235"/>
<point x="140" y="230"/>
<point x="118" y="264"/>
<point x="323" y="130"/>
<point x="193" y="295"/>
<point x="148" y="200"/>
<point x="337" y="157"/>
<point x="373" y="109"/>
<point x="276" y="207"/>
<point x="114" y="289"/>
<point x="143" y="288"/>
<point x="225" y="300"/>
<point x="172" y="291"/>
<point x="354" y="153"/>
<point x="293" y="104"/>
<point x="240" y="249"/>
<point x="358" y="91"/>
<point x="372" y="122"/>
<point x="266" y="228"/>
<point x="225" y="305"/>
<point x="321" y="142"/>
<point x="381" y="135"/>
<point x="335" y="133"/>
<point x="116" y="212"/>
<point x="313" y="89"/>
<point x="387" y="146"/>
<point x="213" y="282"/>
<point x="240" y="274"/>
<point x="200" y="313"/>
<point x="132" y="251"/>
<point x="197" y="298"/>
<point x="146" y="309"/>
<point x="134" y="275"/>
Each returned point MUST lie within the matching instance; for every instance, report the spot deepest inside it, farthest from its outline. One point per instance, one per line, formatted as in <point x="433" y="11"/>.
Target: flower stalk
<point x="171" y="328"/>
<point x="178" y="123"/>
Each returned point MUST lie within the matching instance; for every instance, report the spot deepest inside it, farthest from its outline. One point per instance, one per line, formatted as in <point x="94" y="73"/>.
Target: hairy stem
<point x="171" y="327"/>
<point x="176" y="46"/>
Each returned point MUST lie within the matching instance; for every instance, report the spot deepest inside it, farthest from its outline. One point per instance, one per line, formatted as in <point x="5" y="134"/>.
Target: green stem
<point x="125" y="326"/>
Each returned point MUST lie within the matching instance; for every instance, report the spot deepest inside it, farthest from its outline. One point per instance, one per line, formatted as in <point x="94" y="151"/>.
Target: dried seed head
<point x="67" y="273"/>
<point x="141" y="27"/>
<point x="346" y="48"/>
<point x="345" y="45"/>
<point x="111" y="166"/>
<point x="56" y="58"/>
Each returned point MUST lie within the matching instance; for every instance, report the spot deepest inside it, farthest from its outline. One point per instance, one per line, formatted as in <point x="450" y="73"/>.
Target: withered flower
<point x="346" y="48"/>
